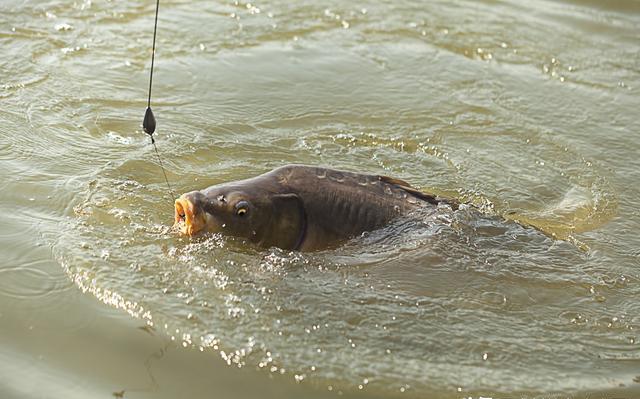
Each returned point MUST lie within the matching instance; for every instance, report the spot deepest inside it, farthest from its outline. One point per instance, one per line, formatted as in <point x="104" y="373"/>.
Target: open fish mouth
<point x="188" y="220"/>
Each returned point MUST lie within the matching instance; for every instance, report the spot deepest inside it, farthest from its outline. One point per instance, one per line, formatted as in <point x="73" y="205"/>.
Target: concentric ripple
<point x="433" y="300"/>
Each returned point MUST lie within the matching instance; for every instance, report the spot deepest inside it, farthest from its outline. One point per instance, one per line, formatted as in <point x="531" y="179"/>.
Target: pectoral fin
<point x="289" y="222"/>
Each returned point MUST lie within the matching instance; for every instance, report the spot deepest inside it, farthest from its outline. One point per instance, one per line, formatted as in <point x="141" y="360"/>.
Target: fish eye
<point x="242" y="207"/>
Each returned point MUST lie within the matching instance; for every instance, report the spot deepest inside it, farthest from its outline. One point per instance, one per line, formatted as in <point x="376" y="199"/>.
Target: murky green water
<point x="527" y="111"/>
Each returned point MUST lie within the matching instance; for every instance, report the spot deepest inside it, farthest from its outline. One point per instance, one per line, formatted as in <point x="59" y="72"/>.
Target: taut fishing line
<point x="149" y="121"/>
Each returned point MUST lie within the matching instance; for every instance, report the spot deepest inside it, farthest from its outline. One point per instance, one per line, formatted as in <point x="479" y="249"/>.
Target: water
<point x="526" y="111"/>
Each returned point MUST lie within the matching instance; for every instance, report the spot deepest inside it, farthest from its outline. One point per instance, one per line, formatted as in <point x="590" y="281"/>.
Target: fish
<point x="300" y="207"/>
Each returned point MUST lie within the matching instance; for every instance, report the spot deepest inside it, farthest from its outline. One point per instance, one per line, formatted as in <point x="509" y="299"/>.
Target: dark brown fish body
<point x="299" y="207"/>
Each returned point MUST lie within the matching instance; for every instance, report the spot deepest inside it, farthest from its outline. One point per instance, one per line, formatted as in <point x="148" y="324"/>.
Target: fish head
<point x="251" y="212"/>
<point x="219" y="210"/>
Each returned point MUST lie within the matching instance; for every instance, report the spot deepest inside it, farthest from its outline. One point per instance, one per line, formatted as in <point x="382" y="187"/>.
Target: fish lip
<point x="185" y="217"/>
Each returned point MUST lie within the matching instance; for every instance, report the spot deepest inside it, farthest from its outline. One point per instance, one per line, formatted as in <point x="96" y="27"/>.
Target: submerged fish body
<point x="298" y="207"/>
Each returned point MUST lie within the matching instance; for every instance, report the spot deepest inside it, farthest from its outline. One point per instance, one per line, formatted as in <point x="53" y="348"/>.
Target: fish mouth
<point x="188" y="220"/>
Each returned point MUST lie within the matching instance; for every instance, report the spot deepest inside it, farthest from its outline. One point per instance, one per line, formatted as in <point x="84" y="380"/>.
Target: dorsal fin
<point x="394" y="181"/>
<point x="430" y="198"/>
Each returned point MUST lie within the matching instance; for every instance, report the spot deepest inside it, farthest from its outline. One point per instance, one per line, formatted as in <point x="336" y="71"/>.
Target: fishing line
<point x="149" y="121"/>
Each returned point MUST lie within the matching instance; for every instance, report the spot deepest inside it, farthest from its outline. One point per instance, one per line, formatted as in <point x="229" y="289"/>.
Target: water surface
<point x="527" y="112"/>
